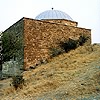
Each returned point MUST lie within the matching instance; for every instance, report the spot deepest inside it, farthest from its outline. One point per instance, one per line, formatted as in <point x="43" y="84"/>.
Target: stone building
<point x="36" y="37"/>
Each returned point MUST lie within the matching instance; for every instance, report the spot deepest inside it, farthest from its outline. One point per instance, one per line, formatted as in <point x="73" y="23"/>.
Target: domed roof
<point x="53" y="14"/>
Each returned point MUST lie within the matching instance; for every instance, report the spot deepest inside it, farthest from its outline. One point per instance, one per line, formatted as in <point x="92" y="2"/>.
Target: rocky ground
<point x="69" y="76"/>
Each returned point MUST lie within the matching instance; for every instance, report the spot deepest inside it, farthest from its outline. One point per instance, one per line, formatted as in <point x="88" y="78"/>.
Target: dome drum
<point x="62" y="21"/>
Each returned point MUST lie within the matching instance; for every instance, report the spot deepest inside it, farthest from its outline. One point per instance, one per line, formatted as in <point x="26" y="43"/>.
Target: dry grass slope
<point x="69" y="76"/>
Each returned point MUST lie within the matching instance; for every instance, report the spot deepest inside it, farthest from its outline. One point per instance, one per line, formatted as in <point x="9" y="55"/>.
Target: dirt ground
<point x="69" y="76"/>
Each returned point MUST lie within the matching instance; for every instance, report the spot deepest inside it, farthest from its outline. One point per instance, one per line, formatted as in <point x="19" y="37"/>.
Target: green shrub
<point x="82" y="40"/>
<point x="55" y="51"/>
<point x="73" y="44"/>
<point x="69" y="45"/>
<point x="18" y="81"/>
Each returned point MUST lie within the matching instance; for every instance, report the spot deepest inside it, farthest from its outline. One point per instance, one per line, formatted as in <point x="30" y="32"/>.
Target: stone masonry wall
<point x="63" y="21"/>
<point x="14" y="35"/>
<point x="40" y="36"/>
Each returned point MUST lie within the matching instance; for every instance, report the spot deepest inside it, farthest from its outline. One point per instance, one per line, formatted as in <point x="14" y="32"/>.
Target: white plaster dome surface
<point x="53" y="14"/>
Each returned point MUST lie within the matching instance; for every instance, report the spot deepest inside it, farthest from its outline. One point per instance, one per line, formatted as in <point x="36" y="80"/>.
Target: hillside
<point x="70" y="76"/>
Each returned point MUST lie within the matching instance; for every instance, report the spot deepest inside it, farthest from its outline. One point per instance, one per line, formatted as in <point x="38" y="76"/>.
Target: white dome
<point x="53" y="14"/>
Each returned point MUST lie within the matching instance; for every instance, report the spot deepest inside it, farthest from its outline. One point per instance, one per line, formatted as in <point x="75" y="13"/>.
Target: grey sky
<point x="85" y="12"/>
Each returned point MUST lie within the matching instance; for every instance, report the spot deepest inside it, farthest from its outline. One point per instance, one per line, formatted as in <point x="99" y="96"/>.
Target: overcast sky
<point x="85" y="12"/>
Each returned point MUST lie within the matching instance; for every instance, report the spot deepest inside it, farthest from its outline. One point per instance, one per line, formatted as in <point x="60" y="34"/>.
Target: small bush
<point x="82" y="40"/>
<point x="18" y="81"/>
<point x="73" y="44"/>
<point x="69" y="45"/>
<point x="55" y="51"/>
